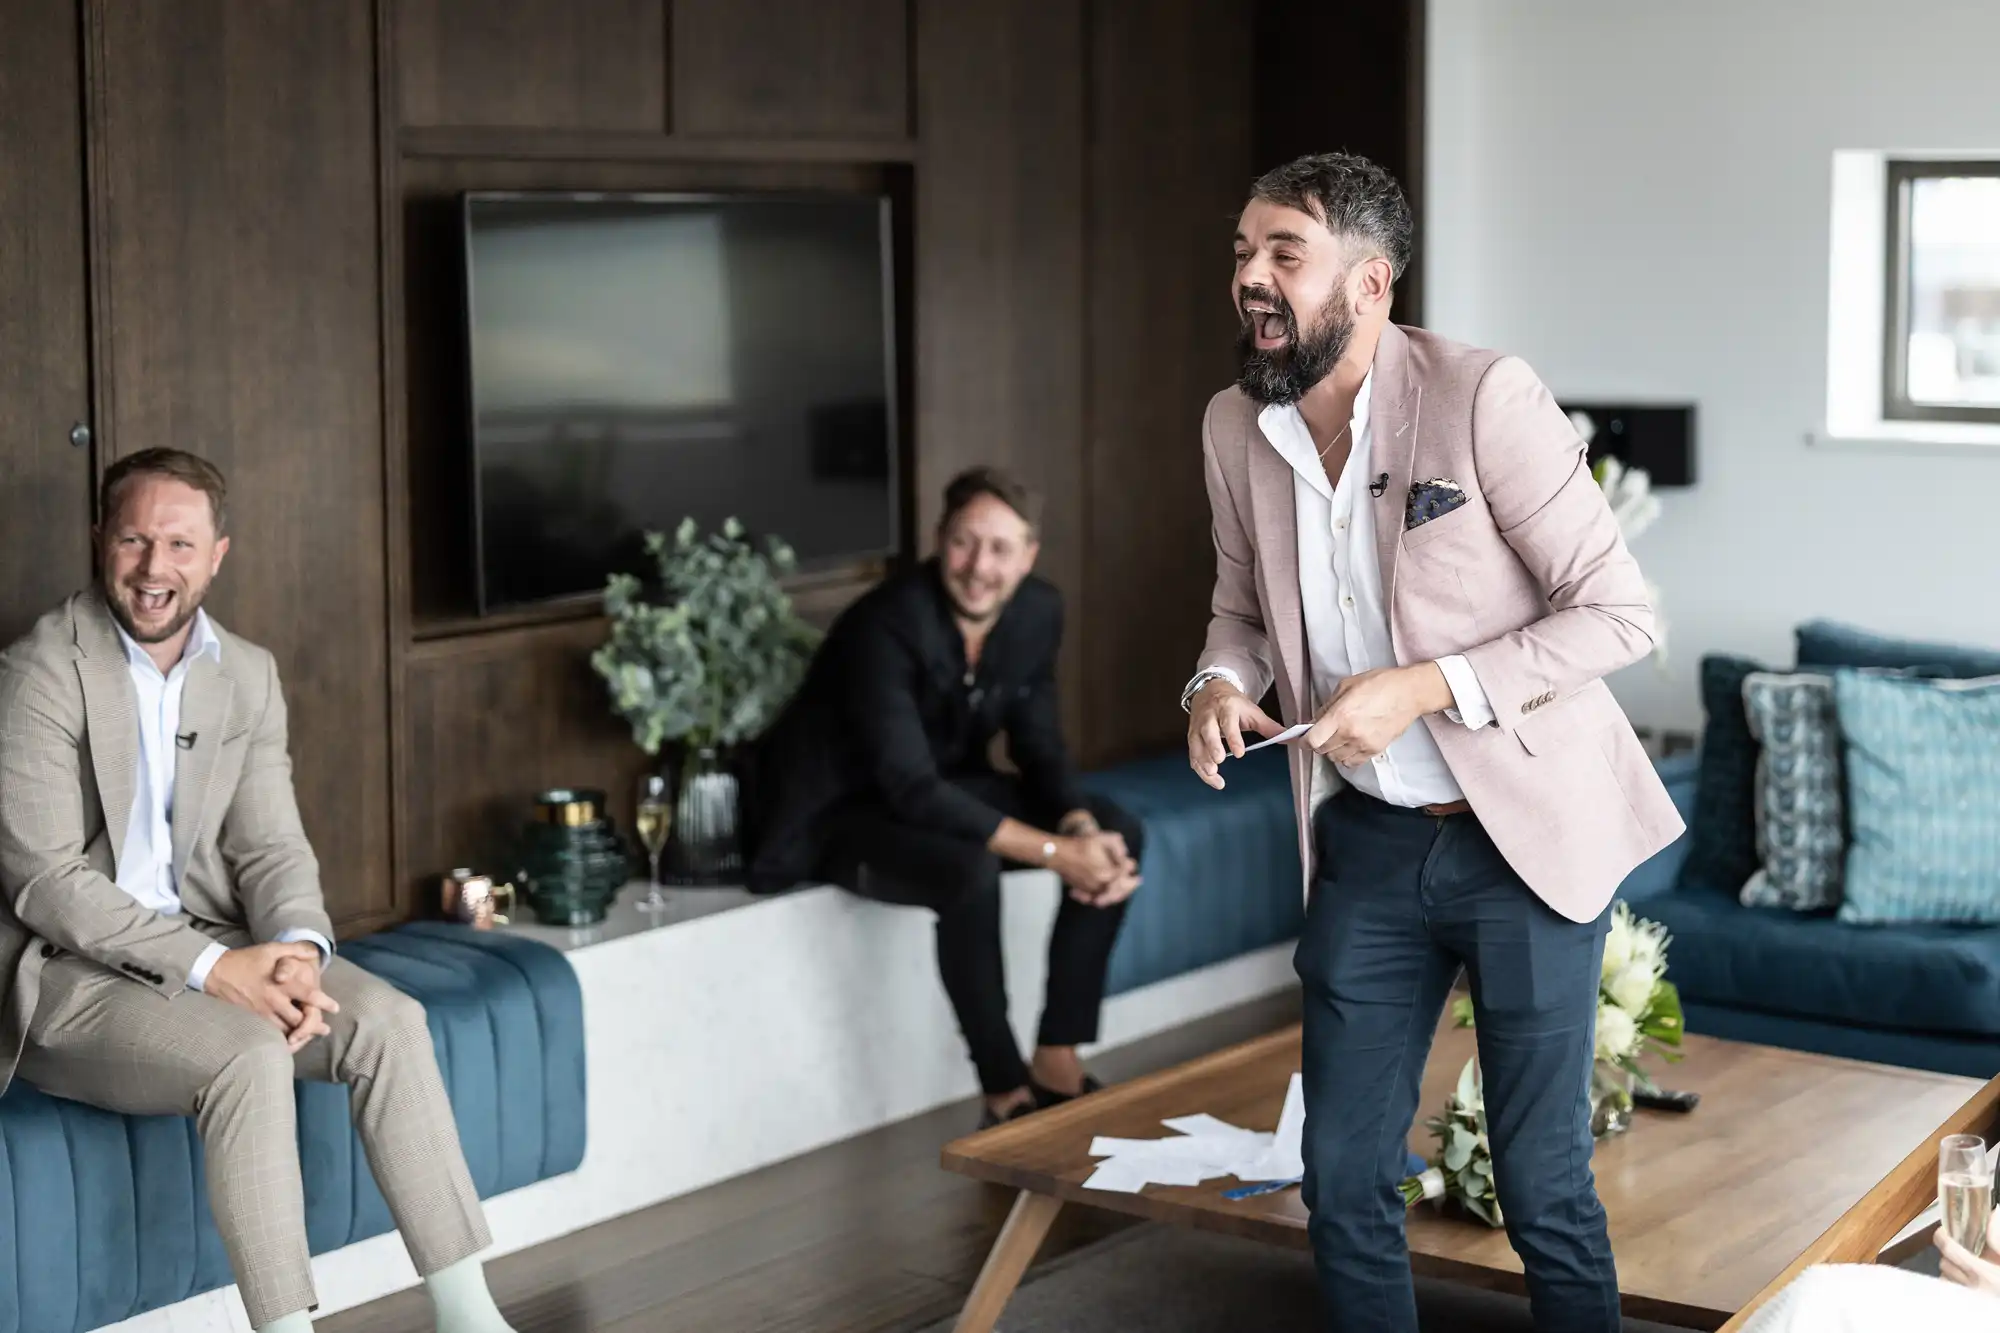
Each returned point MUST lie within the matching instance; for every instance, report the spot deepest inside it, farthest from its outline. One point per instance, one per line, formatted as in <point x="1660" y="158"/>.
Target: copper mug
<point x="475" y="899"/>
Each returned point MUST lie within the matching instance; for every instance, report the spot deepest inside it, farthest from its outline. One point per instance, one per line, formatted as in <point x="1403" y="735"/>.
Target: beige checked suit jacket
<point x="1530" y="580"/>
<point x="68" y="764"/>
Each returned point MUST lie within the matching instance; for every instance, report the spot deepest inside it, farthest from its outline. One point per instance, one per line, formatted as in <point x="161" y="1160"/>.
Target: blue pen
<point x="1262" y="1187"/>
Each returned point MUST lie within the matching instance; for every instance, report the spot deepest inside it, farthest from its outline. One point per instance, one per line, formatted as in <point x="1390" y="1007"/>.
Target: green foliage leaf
<point x="715" y="652"/>
<point x="1458" y="1148"/>
<point x="1485" y="1210"/>
<point x="1461" y="1011"/>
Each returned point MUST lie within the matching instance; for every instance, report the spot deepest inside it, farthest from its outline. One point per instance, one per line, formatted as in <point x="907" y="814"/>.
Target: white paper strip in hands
<point x="1283" y="737"/>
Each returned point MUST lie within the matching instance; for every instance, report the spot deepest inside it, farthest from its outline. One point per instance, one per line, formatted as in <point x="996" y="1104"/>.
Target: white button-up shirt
<point x="146" y="861"/>
<point x="1346" y="617"/>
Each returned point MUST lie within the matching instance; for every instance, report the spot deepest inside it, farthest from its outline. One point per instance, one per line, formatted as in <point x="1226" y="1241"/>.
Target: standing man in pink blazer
<point x="1410" y="547"/>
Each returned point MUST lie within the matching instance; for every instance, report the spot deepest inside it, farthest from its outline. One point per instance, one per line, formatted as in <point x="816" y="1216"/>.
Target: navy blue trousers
<point x="1403" y="899"/>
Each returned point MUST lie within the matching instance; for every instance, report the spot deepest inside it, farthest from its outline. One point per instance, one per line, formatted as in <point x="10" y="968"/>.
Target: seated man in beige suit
<point x="164" y="949"/>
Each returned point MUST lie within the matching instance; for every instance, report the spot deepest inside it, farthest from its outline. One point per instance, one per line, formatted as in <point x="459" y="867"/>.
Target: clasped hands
<point x="1096" y="866"/>
<point x="280" y="984"/>
<point x="1367" y="713"/>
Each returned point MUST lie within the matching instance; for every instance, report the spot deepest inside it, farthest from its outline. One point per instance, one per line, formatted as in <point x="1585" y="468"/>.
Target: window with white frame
<point x="1913" y="298"/>
<point x="1941" y="335"/>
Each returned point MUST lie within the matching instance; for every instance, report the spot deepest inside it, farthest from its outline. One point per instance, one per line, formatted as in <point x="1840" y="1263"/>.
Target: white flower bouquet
<point x="1638" y="1013"/>
<point x="1462" y="1171"/>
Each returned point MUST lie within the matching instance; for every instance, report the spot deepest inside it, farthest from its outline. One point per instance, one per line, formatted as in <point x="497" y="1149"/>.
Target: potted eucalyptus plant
<point x="699" y="664"/>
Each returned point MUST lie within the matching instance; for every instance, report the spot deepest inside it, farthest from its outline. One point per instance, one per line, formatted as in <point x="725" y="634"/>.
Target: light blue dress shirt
<point x="146" y="862"/>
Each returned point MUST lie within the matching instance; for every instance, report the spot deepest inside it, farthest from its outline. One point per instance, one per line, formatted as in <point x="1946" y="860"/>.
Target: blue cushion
<point x="1827" y="643"/>
<point x="1220" y="868"/>
<point x="1973" y="1057"/>
<point x="104" y="1216"/>
<point x="1923" y="788"/>
<point x="1928" y="978"/>
<point x="1722" y="836"/>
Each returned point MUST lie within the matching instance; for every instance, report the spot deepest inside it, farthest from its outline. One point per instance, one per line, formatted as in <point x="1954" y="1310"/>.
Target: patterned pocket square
<point x="1432" y="499"/>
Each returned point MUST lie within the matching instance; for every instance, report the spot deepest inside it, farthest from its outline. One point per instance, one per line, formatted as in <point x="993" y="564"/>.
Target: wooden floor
<point x="866" y="1236"/>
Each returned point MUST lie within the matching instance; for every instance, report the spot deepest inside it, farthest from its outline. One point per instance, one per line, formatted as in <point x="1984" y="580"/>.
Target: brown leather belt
<point x="1448" y="808"/>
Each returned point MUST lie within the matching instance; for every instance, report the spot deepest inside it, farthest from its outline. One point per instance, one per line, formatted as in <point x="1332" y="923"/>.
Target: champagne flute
<point x="653" y="819"/>
<point x="1965" y="1189"/>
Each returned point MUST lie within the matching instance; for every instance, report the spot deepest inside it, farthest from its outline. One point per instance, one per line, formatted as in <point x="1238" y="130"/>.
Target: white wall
<point x="1633" y="196"/>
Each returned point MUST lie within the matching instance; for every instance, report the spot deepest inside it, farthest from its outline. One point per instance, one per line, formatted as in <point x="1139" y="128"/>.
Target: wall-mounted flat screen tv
<point x="636" y="360"/>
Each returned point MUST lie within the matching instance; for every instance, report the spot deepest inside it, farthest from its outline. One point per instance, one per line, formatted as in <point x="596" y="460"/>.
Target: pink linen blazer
<point x="1529" y="579"/>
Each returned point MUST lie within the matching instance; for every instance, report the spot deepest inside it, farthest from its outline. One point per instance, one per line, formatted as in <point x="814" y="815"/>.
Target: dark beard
<point x="1286" y="374"/>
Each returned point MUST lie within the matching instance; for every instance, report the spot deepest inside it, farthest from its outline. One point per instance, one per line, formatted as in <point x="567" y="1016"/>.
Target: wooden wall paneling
<point x="1170" y="165"/>
<point x="533" y="64"/>
<point x="1374" y="108"/>
<point x="395" y="432"/>
<point x="234" y="173"/>
<point x="791" y="68"/>
<point x="1000" y="271"/>
<point x="45" y="501"/>
<point x="493" y="719"/>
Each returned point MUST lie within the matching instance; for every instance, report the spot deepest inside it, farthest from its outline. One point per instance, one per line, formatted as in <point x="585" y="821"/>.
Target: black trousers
<point x="872" y="852"/>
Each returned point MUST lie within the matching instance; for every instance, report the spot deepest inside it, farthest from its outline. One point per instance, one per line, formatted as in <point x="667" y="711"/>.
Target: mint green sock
<point x="464" y="1305"/>
<point x="300" y="1322"/>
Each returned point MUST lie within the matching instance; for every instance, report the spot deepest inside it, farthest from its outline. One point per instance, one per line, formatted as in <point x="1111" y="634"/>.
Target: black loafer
<point x="987" y="1120"/>
<point x="1047" y="1097"/>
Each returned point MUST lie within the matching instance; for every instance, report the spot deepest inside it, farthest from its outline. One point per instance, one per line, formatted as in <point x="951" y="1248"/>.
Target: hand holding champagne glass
<point x="1965" y="1190"/>
<point x="654" y="818"/>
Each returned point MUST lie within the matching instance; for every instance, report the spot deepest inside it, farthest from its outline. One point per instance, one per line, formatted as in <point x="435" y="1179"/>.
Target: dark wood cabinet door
<point x="805" y="69"/>
<point x="238" y="299"/>
<point x="45" y="479"/>
<point x="532" y="64"/>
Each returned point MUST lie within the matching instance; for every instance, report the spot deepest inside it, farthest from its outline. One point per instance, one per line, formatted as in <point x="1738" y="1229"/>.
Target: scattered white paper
<point x="1284" y="1159"/>
<point x="1288" y="734"/>
<point x="1203" y="1148"/>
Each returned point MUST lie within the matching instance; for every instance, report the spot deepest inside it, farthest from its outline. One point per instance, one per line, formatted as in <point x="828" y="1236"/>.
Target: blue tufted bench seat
<point x="105" y="1216"/>
<point x="1221" y="868"/>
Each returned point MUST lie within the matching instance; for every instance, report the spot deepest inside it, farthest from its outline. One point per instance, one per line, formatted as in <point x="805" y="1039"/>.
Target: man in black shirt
<point x="878" y="778"/>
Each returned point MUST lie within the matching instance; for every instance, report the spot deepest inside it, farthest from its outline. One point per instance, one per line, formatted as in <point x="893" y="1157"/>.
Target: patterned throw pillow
<point x="1923" y="798"/>
<point x="1801" y="833"/>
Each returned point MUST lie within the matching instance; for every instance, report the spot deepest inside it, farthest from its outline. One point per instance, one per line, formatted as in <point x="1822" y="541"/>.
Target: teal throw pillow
<point x="1923" y="798"/>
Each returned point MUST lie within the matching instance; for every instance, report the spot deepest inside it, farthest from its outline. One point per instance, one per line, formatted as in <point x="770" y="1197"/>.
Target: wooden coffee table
<point x="1706" y="1209"/>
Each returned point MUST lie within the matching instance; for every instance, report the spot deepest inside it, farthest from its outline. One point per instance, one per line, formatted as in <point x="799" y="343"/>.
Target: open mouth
<point x="152" y="601"/>
<point x="1269" y="328"/>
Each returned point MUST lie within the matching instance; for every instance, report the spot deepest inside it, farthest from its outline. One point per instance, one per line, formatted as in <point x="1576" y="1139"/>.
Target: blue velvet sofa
<point x="1221" y="868"/>
<point x="104" y="1216"/>
<point x="1922" y="996"/>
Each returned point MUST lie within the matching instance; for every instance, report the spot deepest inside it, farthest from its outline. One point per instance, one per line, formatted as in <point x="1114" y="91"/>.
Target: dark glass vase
<point x="706" y="849"/>
<point x="572" y="860"/>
